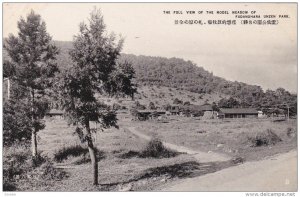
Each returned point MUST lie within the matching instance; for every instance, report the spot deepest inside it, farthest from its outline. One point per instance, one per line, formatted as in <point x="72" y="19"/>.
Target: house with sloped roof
<point x="237" y="113"/>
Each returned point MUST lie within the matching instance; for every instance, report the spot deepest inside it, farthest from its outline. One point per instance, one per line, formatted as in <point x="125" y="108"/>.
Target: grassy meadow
<point x="124" y="164"/>
<point x="120" y="166"/>
<point x="230" y="136"/>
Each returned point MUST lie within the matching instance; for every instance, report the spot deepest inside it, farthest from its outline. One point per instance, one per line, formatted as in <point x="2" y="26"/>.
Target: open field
<point x="122" y="168"/>
<point x="231" y="137"/>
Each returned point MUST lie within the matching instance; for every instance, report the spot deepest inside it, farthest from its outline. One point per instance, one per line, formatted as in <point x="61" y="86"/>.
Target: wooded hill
<point x="186" y="75"/>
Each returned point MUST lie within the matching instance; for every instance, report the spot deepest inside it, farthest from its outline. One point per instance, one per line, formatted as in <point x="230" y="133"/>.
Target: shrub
<point x="15" y="163"/>
<point x="46" y="172"/>
<point x="17" y="125"/>
<point x="290" y="132"/>
<point x="265" y="138"/>
<point x="156" y="149"/>
<point x="19" y="173"/>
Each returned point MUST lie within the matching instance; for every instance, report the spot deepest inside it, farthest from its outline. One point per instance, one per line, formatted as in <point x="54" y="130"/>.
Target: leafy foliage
<point x="228" y="103"/>
<point x="32" y="54"/>
<point x="17" y="124"/>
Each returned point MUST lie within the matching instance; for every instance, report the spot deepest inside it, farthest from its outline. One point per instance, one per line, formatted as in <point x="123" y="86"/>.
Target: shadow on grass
<point x="183" y="170"/>
<point x="77" y="151"/>
<point x="190" y="169"/>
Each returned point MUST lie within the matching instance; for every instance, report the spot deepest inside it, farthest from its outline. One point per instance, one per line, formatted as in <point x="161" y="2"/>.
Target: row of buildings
<point x="205" y="111"/>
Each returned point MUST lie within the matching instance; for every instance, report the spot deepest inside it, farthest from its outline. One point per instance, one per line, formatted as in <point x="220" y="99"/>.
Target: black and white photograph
<point x="150" y="97"/>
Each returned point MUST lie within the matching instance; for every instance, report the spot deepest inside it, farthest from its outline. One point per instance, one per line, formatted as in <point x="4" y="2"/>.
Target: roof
<point x="151" y="111"/>
<point x="238" y="111"/>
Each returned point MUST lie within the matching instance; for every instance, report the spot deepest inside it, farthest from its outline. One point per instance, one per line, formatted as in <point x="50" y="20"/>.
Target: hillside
<point x="161" y="96"/>
<point x="155" y="76"/>
<point x="172" y="72"/>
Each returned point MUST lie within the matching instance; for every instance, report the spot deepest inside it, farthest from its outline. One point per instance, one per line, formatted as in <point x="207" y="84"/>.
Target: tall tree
<point x="32" y="63"/>
<point x="94" y="72"/>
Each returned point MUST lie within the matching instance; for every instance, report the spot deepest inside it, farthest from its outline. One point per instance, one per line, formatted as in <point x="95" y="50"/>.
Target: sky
<point x="258" y="55"/>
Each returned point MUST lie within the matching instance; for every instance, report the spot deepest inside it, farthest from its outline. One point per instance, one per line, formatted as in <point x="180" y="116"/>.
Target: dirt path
<point x="278" y="173"/>
<point x="202" y="157"/>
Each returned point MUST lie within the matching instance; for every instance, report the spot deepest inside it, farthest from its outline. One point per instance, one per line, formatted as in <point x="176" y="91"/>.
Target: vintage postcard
<point x="150" y="97"/>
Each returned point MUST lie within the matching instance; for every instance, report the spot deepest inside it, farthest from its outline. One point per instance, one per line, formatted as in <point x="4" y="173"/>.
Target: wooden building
<point x="237" y="113"/>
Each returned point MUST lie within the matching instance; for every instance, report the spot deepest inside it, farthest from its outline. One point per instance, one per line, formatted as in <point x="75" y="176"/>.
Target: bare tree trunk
<point x="33" y="144"/>
<point x="92" y="153"/>
<point x="33" y="133"/>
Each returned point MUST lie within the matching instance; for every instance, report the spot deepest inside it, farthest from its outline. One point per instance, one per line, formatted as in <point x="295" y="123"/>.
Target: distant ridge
<point x="185" y="75"/>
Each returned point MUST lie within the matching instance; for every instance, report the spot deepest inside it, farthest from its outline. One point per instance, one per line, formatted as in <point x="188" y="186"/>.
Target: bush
<point x="290" y="132"/>
<point x="156" y="149"/>
<point x="265" y="138"/>
<point x="17" y="125"/>
<point x="46" y="172"/>
<point x="19" y="173"/>
<point x="15" y="163"/>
